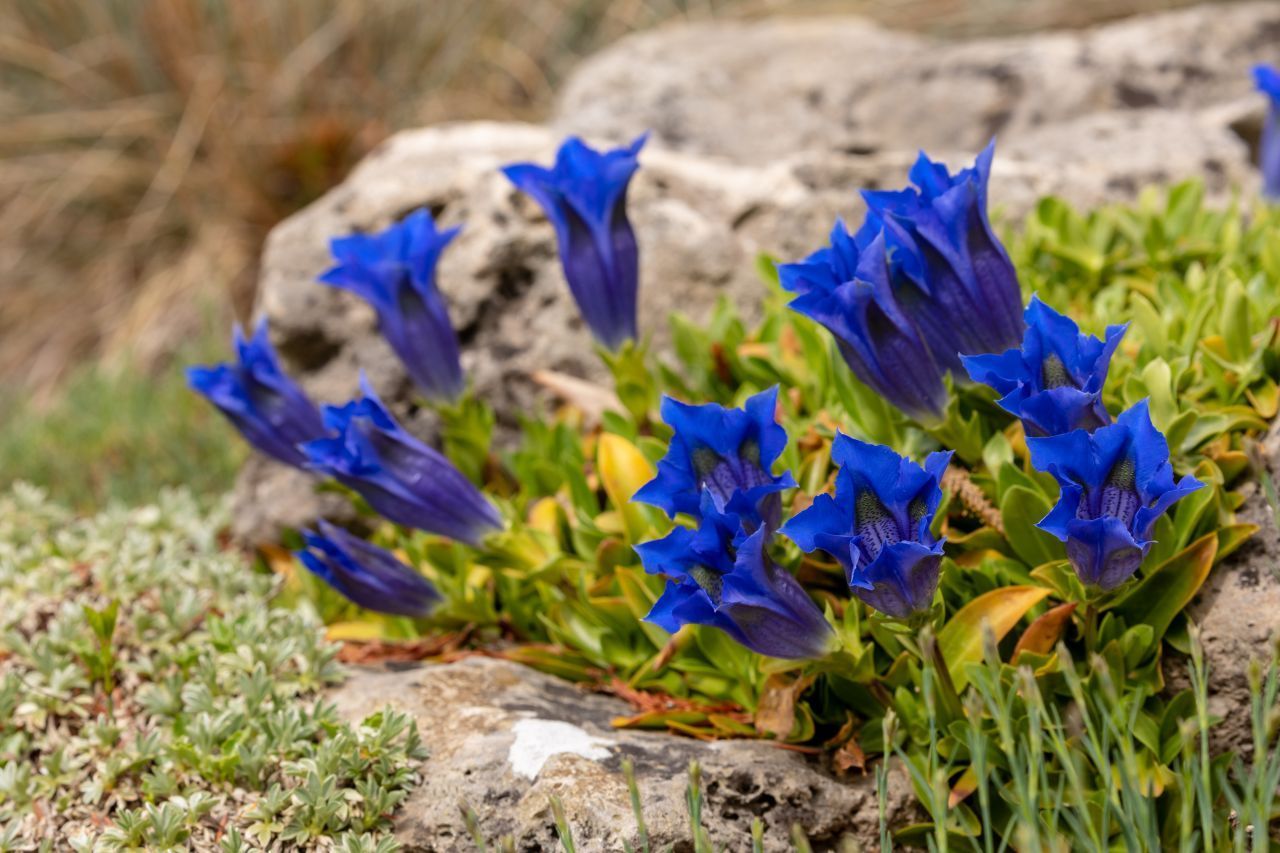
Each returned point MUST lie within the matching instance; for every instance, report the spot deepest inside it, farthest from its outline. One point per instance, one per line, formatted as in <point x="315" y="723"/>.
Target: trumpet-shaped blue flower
<point x="1054" y="382"/>
<point x="725" y="453"/>
<point x="395" y="272"/>
<point x="849" y="288"/>
<point x="954" y="277"/>
<point x="1267" y="79"/>
<point x="585" y="196"/>
<point x="720" y="575"/>
<point x="877" y="525"/>
<point x="264" y="404"/>
<point x="403" y="479"/>
<point x="365" y="574"/>
<point x="1115" y="483"/>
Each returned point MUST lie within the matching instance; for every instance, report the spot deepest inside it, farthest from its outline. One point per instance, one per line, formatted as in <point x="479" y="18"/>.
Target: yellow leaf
<point x="611" y="522"/>
<point x="357" y="629"/>
<point x="966" y="783"/>
<point x="960" y="640"/>
<point x="545" y="515"/>
<point x="623" y="470"/>
<point x="1265" y="398"/>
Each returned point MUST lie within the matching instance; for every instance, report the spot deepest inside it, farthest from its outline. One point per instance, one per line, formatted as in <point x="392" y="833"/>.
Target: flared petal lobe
<point x="265" y="405"/>
<point x="1115" y="483"/>
<point x="1054" y="382"/>
<point x="395" y="272"/>
<point x="720" y="575"/>
<point x="365" y="574"/>
<point x="726" y="453"/>
<point x="403" y="479"/>
<point x="584" y="195"/>
<point x="1267" y="79"/>
<point x="877" y="525"/>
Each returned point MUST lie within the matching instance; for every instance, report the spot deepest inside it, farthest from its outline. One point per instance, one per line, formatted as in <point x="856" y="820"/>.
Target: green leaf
<point x="960" y="640"/>
<point x="1021" y="508"/>
<point x="1235" y="324"/>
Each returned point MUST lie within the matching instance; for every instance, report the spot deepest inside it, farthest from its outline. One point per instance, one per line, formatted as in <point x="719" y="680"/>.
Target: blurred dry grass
<point x="146" y="146"/>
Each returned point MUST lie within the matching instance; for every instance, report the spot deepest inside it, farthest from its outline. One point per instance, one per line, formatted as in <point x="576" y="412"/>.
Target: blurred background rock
<point x="147" y="147"/>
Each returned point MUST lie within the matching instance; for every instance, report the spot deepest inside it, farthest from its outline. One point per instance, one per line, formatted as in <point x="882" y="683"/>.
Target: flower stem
<point x="1090" y="626"/>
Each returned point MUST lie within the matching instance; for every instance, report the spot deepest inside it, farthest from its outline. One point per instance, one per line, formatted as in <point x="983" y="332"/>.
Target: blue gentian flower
<point x="402" y="479"/>
<point x="1267" y="79"/>
<point x="720" y="575"/>
<point x="877" y="525"/>
<point x="849" y="288"/>
<point x="963" y="291"/>
<point x="1115" y="481"/>
<point x="365" y="574"/>
<point x="1054" y="382"/>
<point x="395" y="272"/>
<point x="264" y="404"/>
<point x="726" y="453"/>
<point x="585" y="196"/>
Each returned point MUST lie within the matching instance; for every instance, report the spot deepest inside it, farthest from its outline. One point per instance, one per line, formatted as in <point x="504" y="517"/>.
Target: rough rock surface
<point x="1238" y="611"/>
<point x="504" y="739"/>
<point x="763" y="134"/>
<point x="756" y="91"/>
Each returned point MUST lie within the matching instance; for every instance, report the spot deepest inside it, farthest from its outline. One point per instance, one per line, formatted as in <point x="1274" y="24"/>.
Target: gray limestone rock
<point x="504" y="739"/>
<point x="756" y="91"/>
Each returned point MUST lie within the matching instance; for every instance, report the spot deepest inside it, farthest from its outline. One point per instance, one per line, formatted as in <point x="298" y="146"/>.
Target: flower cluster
<point x="924" y="288"/>
<point x="921" y="290"/>
<point x="922" y="282"/>
<point x="1115" y="478"/>
<point x="717" y="469"/>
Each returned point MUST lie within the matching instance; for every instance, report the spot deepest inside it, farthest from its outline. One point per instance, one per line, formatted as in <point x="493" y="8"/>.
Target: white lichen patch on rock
<point x="537" y="740"/>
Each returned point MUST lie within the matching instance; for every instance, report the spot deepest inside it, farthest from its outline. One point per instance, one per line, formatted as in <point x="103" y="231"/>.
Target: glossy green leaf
<point x="1021" y="509"/>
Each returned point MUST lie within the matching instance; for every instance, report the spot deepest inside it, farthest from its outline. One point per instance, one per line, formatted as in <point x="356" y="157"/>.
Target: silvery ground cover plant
<point x="944" y="505"/>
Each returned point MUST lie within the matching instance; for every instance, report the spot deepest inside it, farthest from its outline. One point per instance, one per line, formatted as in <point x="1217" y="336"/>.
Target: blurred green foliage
<point x="120" y="433"/>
